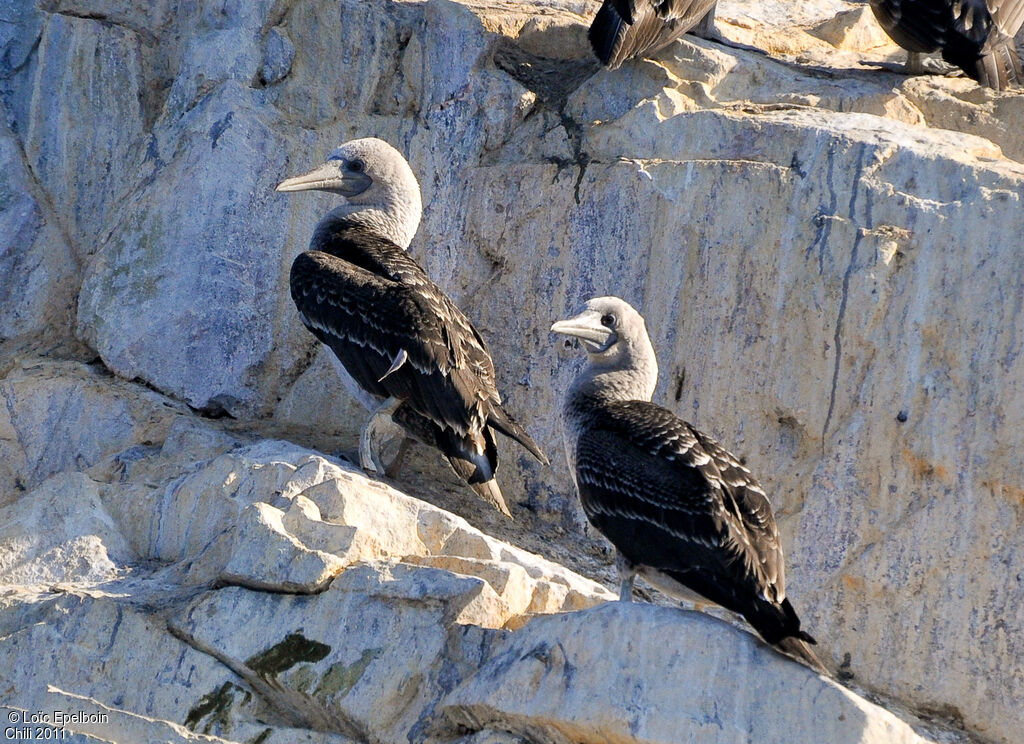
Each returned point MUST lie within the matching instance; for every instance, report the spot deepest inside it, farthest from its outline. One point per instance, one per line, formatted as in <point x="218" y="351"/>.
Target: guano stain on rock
<point x="294" y="649"/>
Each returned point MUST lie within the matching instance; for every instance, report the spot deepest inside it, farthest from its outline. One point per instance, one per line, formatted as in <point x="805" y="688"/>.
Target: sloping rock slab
<point x="626" y="672"/>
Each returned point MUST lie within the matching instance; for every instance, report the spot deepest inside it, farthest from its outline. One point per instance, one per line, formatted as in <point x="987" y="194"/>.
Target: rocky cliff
<point x="825" y="251"/>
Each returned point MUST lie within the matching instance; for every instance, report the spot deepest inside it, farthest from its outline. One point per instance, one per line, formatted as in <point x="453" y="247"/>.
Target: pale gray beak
<point x="331" y="176"/>
<point x="587" y="328"/>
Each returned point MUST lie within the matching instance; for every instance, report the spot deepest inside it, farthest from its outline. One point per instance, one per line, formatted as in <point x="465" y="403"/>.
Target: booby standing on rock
<point x="624" y="29"/>
<point x="680" y="510"/>
<point x="975" y="35"/>
<point x="405" y="349"/>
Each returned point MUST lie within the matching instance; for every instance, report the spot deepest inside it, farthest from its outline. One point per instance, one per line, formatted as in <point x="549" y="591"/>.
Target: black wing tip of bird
<point x="490" y="492"/>
<point x="531" y="446"/>
<point x="792" y="623"/>
<point x="605" y="35"/>
<point x="534" y="449"/>
<point x="504" y="423"/>
<point x="796" y="647"/>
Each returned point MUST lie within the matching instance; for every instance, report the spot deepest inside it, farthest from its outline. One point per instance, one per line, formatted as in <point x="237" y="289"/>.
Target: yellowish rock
<point x="852" y="30"/>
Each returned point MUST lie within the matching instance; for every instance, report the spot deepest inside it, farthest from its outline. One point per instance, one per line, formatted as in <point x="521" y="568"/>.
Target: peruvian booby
<point x="975" y="35"/>
<point x="624" y="29"/>
<point x="405" y="350"/>
<point x="681" y="511"/>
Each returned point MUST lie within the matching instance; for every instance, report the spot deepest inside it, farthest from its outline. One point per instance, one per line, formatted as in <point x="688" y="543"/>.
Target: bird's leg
<point x="915" y="63"/>
<point x="627" y="573"/>
<point x="379" y="422"/>
<point x="705" y="27"/>
<point x="396" y="462"/>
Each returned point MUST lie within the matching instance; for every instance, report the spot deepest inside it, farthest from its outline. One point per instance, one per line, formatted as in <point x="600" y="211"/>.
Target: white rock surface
<point x="60" y="533"/>
<point x="40" y="273"/>
<point x="539" y="679"/>
<point x="387" y="618"/>
<point x="59" y="416"/>
<point x="825" y="252"/>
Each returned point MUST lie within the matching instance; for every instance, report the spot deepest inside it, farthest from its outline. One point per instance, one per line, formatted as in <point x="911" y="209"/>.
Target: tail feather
<point x="486" y="489"/>
<point x="489" y="492"/>
<point x="623" y="30"/>
<point x="606" y="33"/>
<point x="999" y="66"/>
<point x="797" y="648"/>
<point x="795" y="643"/>
<point x="504" y="423"/>
<point x="475" y="461"/>
<point x="473" y="457"/>
<point x="993" y="62"/>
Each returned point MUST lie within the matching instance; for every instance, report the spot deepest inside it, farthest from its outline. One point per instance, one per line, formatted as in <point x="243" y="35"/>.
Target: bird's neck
<point x="397" y="222"/>
<point x="596" y="387"/>
<point x="631" y="374"/>
<point x="614" y="385"/>
<point x="591" y="393"/>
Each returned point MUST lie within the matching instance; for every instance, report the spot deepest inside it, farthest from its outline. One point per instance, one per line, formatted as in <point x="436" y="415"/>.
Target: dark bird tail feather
<point x="778" y="624"/>
<point x="504" y="423"/>
<point x="476" y="469"/>
<point x="994" y="63"/>
<point x="797" y="648"/>
<point x="490" y="493"/>
<point x="606" y="34"/>
<point x="473" y="457"/>
<point x="622" y="29"/>
<point x="999" y="66"/>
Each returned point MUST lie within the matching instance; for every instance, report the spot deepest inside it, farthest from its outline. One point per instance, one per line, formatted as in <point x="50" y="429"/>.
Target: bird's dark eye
<point x="608" y="321"/>
<point x="357" y="166"/>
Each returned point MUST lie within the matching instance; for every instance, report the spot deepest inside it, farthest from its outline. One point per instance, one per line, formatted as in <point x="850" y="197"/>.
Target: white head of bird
<point x="621" y="357"/>
<point x="379" y="188"/>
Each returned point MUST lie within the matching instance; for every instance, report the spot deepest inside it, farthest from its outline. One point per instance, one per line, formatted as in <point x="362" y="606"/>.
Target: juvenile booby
<point x="975" y="35"/>
<point x="623" y="29"/>
<point x="409" y="353"/>
<point x="680" y="510"/>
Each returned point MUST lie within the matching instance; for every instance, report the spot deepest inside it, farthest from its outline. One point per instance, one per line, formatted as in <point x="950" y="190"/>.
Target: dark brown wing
<point x="747" y="499"/>
<point x="671" y="498"/>
<point x="916" y="25"/>
<point x="368" y="321"/>
<point x="369" y="301"/>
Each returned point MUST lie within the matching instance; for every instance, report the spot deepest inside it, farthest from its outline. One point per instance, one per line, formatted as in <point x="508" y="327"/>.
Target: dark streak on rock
<point x="219" y="128"/>
<point x="680" y="382"/>
<point x="294" y="649"/>
<point x="837" y="336"/>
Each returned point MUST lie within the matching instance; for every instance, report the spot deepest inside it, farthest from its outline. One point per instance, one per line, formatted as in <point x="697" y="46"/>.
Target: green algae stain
<point x="217" y="707"/>
<point x="294" y="649"/>
<point x="341" y="678"/>
<point x="302" y="679"/>
<point x="264" y="735"/>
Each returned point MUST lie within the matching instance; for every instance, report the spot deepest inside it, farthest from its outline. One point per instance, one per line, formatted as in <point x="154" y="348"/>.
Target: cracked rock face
<point x="824" y="249"/>
<point x="275" y="595"/>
